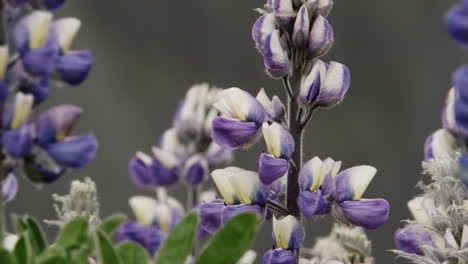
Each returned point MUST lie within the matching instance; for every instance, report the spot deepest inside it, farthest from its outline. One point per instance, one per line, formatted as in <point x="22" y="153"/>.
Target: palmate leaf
<point x="231" y="242"/>
<point x="132" y="253"/>
<point x="179" y="243"/>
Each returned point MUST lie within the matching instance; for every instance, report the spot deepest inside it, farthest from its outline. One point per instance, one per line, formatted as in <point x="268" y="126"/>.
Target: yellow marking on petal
<point x="3" y="61"/>
<point x="38" y="24"/>
<point x="23" y="106"/>
<point x="283" y="230"/>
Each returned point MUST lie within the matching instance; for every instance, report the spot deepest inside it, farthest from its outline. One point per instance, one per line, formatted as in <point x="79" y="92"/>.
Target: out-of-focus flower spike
<point x="313" y="203"/>
<point x="335" y="85"/>
<point x="56" y="123"/>
<point x="421" y="208"/>
<point x="74" y="67"/>
<point x="221" y="178"/>
<point x="53" y="4"/>
<point x="196" y="169"/>
<point x="288" y="232"/>
<point x="9" y="188"/>
<point x="166" y="158"/>
<point x="65" y="30"/>
<point x="457" y="23"/>
<point x="368" y="213"/>
<point x="74" y="152"/>
<point x="271" y="168"/>
<point x="217" y="156"/>
<point x="352" y="183"/>
<point x="279" y="141"/>
<point x="262" y="28"/>
<point x="279" y="256"/>
<point x="147" y="236"/>
<point x="18" y="142"/>
<point x="464" y="237"/>
<point x="300" y="35"/>
<point x="410" y="240"/>
<point x="310" y="84"/>
<point x="325" y="7"/>
<point x="284" y="12"/>
<point x="275" y="55"/>
<point x="440" y="144"/>
<point x="450" y="239"/>
<point x="32" y="31"/>
<point x="321" y="37"/>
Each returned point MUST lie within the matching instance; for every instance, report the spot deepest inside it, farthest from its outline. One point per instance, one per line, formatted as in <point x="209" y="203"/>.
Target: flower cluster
<point x="439" y="230"/>
<point x="185" y="152"/>
<point x="41" y="148"/>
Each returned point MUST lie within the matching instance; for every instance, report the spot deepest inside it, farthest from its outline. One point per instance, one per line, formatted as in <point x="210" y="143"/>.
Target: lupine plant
<point x="438" y="232"/>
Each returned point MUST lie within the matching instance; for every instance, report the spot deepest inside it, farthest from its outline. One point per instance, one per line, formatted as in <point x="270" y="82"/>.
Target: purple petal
<point x="75" y="66"/>
<point x="310" y="87"/>
<point x="39" y="89"/>
<point x="140" y="173"/>
<point x="215" y="214"/>
<point x="275" y="57"/>
<point x="279" y="256"/>
<point x="460" y="80"/>
<point x="18" y="142"/>
<point x="147" y="236"/>
<point x="270" y="168"/>
<point x="53" y="4"/>
<point x="42" y="61"/>
<point x="461" y="116"/>
<point x="196" y="169"/>
<point x="163" y="175"/>
<point x="335" y="85"/>
<point x="457" y="23"/>
<point x="370" y="214"/>
<point x="313" y="203"/>
<point x="74" y="152"/>
<point x="9" y="188"/>
<point x="409" y="240"/>
<point x="4" y="91"/>
<point x="56" y="123"/>
<point x="233" y="134"/>
<point x="262" y="27"/>
<point x="17" y="2"/>
<point x="463" y="169"/>
<point x="301" y="27"/>
<point x="321" y="37"/>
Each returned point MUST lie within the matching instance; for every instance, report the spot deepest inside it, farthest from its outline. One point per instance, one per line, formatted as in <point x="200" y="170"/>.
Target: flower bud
<point x="410" y="240"/>
<point x="284" y="12"/>
<point x="321" y="37"/>
<point x="325" y="7"/>
<point x="262" y="28"/>
<point x="310" y="85"/>
<point x="335" y="85"/>
<point x="275" y="55"/>
<point x="196" y="169"/>
<point x="300" y="35"/>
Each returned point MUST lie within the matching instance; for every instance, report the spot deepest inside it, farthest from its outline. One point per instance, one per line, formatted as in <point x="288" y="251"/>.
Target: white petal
<point x="420" y="207"/>
<point x="248" y="257"/>
<point x="9" y="242"/>
<point x="23" y="106"/>
<point x="283" y="230"/>
<point x="319" y="170"/>
<point x="450" y="239"/>
<point x="245" y="184"/>
<point x="221" y="178"/>
<point x="66" y="30"/>
<point x="464" y="238"/>
<point x="146" y="159"/>
<point x="359" y="178"/>
<point x="443" y="144"/>
<point x="262" y="97"/>
<point x="208" y="196"/>
<point x="165" y="157"/>
<point x="144" y="208"/>
<point x="272" y="135"/>
<point x="38" y="23"/>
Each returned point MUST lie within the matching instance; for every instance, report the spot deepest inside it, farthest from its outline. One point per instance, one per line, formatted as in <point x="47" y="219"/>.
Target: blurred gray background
<point x="148" y="53"/>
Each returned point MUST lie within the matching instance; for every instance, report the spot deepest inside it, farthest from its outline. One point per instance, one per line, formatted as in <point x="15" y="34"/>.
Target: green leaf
<point x="22" y="250"/>
<point x="36" y="235"/>
<point x="231" y="242"/>
<point x="132" y="253"/>
<point x="109" y="225"/>
<point x="179" y="243"/>
<point x="52" y="255"/>
<point x="74" y="233"/>
<point x="6" y="257"/>
<point x="106" y="252"/>
<point x="20" y="224"/>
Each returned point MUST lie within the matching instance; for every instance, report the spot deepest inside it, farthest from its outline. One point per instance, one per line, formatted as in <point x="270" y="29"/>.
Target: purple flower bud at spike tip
<point x="56" y="123"/>
<point x="18" y="142"/>
<point x="352" y="183"/>
<point x="368" y="213"/>
<point x="321" y="37"/>
<point x="335" y="85"/>
<point x="275" y="55"/>
<point x="215" y="214"/>
<point x="196" y="169"/>
<point x="288" y="232"/>
<point x="271" y="169"/>
<point x="74" y="152"/>
<point x="284" y="13"/>
<point x="410" y="240"/>
<point x="313" y="203"/>
<point x="457" y="23"/>
<point x="53" y="4"/>
<point x="147" y="236"/>
<point x="262" y="28"/>
<point x="325" y="7"/>
<point x="279" y="141"/>
<point x="279" y="256"/>
<point x="9" y="188"/>
<point x="300" y="35"/>
<point x="75" y="66"/>
<point x="310" y="84"/>
<point x="439" y="144"/>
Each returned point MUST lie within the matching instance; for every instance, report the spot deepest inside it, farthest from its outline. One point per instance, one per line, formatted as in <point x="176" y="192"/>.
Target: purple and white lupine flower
<point x="275" y="108"/>
<point x="321" y="37"/>
<point x="280" y="144"/>
<point x="288" y="232"/>
<point x="275" y="55"/>
<point x="440" y="144"/>
<point x="240" y="120"/>
<point x="162" y="169"/>
<point x="264" y="26"/>
<point x="284" y="13"/>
